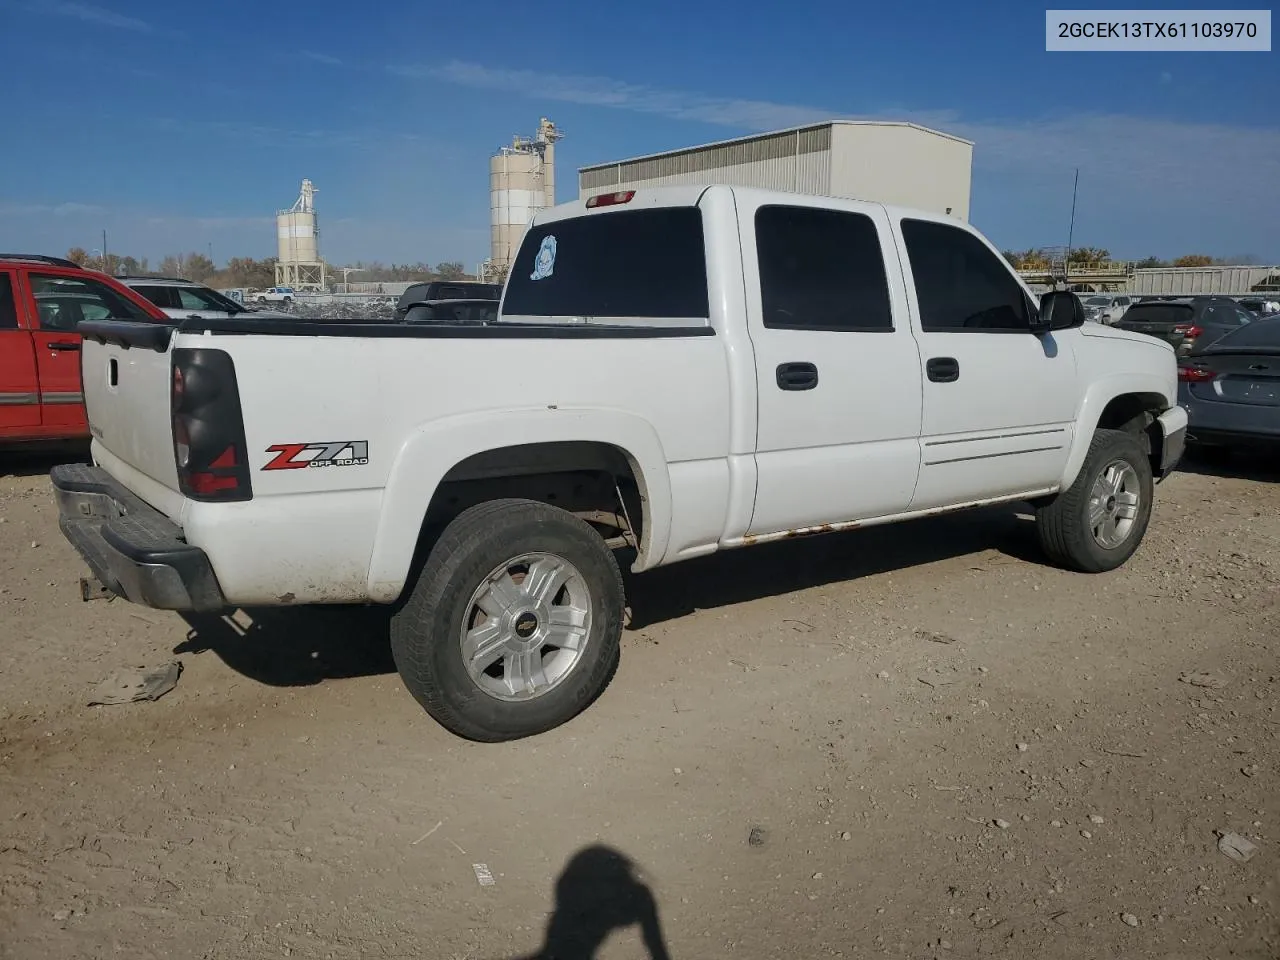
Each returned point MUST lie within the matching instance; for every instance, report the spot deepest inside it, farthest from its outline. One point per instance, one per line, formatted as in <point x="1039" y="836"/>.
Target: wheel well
<point x="595" y="481"/>
<point x="1136" y="413"/>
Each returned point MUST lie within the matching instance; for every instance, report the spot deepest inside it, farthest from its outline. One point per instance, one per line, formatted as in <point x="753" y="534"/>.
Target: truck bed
<point x="347" y="533"/>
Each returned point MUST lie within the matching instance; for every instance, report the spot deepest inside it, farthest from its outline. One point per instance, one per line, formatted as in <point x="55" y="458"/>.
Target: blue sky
<point x="177" y="126"/>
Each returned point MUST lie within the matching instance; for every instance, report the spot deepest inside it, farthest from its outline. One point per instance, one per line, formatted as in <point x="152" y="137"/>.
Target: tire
<point x="262" y="299"/>
<point x="1065" y="523"/>
<point x="492" y="543"/>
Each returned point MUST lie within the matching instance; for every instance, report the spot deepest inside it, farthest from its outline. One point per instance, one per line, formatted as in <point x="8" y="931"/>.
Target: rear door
<point x="837" y="368"/>
<point x="19" y="385"/>
<point x="61" y="302"/>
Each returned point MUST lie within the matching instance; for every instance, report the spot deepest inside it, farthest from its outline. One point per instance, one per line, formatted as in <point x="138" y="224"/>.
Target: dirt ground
<point x="913" y="741"/>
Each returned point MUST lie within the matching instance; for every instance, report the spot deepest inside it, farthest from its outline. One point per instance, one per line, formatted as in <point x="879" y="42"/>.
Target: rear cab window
<point x="163" y="297"/>
<point x="1156" y="312"/>
<point x="628" y="265"/>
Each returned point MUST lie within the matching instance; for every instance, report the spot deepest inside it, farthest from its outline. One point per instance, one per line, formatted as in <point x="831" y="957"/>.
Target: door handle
<point x="797" y="376"/>
<point x="943" y="369"/>
<point x="64" y="345"/>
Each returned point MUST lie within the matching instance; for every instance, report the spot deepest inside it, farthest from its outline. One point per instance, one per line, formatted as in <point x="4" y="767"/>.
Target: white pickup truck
<point x="275" y="295"/>
<point x="673" y="372"/>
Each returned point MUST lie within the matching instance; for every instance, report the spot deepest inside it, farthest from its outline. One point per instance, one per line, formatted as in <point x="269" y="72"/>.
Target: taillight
<point x="1195" y="374"/>
<point x="1188" y="330"/>
<point x="610" y="199"/>
<point x="208" y="427"/>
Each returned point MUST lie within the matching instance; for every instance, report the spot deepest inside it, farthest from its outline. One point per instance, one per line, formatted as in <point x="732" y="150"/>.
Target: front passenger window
<point x="961" y="286"/>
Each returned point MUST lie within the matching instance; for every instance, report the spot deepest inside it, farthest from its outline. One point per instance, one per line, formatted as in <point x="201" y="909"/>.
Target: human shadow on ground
<point x="598" y="893"/>
<point x="295" y="646"/>
<point x="736" y="576"/>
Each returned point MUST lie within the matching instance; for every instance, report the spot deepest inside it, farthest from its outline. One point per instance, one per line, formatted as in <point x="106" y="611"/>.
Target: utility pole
<point x="104" y="252"/>
<point x="1066" y="266"/>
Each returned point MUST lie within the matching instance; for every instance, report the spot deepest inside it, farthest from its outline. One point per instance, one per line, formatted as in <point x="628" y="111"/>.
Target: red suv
<point x="41" y="301"/>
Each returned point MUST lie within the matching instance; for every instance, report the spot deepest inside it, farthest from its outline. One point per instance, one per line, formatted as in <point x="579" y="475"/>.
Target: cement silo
<point x="521" y="182"/>
<point x="298" y="262"/>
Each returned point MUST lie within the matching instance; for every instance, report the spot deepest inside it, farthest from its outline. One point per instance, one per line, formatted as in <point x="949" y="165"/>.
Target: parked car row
<point x="1228" y="351"/>
<point x="43" y="300"/>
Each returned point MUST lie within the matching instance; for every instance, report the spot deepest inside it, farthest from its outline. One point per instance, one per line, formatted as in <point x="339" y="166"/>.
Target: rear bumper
<point x="1173" y="425"/>
<point x="1229" y="424"/>
<point x="134" y="550"/>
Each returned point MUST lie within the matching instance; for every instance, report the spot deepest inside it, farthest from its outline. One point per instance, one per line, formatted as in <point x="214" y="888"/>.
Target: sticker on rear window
<point x="545" y="263"/>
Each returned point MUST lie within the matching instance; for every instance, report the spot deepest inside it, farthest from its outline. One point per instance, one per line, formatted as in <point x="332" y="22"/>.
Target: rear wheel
<point x="1097" y="523"/>
<point x="514" y="623"/>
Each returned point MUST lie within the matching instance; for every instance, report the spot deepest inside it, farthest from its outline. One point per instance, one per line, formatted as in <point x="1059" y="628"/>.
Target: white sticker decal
<point x="545" y="263"/>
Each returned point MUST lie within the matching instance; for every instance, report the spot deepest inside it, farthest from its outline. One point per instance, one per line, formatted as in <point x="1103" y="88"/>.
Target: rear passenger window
<point x="962" y="287"/>
<point x="8" y="306"/>
<point x="164" y="297"/>
<point x="821" y="270"/>
<point x="631" y="264"/>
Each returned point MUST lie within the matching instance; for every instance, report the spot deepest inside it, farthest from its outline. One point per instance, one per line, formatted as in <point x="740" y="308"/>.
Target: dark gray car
<point x="446" y="290"/>
<point x="1231" y="388"/>
<point x="1187" y="322"/>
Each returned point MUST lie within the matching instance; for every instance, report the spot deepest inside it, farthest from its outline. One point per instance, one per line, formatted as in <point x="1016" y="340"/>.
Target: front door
<point x="61" y="302"/>
<point x="837" y="369"/>
<point x="19" y="386"/>
<point x="999" y="402"/>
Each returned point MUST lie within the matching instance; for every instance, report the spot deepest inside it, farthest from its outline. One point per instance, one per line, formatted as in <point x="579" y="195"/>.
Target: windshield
<point x="1098" y="301"/>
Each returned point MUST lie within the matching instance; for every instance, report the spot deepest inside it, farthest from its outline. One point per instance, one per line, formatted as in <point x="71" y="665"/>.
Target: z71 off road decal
<point x="295" y="456"/>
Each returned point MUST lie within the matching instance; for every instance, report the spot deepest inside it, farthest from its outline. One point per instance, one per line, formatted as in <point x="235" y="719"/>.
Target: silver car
<point x="1107" y="307"/>
<point x="1231" y="388"/>
<point x="188" y="300"/>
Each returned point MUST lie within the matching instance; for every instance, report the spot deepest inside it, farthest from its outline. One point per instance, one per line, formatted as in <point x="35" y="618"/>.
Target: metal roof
<point x="774" y="133"/>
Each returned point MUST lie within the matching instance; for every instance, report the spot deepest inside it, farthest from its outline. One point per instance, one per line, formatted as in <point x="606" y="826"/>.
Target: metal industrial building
<point x="1205" y="280"/>
<point x="898" y="163"/>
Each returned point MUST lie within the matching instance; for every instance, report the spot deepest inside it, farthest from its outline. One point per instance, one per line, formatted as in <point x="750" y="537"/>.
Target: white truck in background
<point x="674" y="371"/>
<point x="275" y="295"/>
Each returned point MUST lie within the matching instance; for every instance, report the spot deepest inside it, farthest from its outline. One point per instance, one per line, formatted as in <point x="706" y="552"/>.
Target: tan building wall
<point x="886" y="162"/>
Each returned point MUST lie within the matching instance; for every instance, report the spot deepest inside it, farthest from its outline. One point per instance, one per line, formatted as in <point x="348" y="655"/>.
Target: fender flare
<point x="1098" y="394"/>
<point x="433" y="449"/>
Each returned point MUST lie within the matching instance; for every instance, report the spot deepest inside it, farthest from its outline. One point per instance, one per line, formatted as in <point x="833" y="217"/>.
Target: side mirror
<point x="1059" y="310"/>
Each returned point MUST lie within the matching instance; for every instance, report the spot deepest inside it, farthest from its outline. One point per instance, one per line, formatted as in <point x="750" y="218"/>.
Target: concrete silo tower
<point x="522" y="181"/>
<point x="298" y="262"/>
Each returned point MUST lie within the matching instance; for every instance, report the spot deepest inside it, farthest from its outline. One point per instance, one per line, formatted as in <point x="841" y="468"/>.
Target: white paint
<point x="723" y="456"/>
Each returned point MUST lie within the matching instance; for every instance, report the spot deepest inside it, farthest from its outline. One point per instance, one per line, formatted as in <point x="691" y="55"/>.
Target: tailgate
<point x="127" y="380"/>
<point x="1164" y="331"/>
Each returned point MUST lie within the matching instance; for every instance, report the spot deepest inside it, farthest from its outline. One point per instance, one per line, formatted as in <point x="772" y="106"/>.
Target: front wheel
<point x="514" y="624"/>
<point x="1097" y="523"/>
